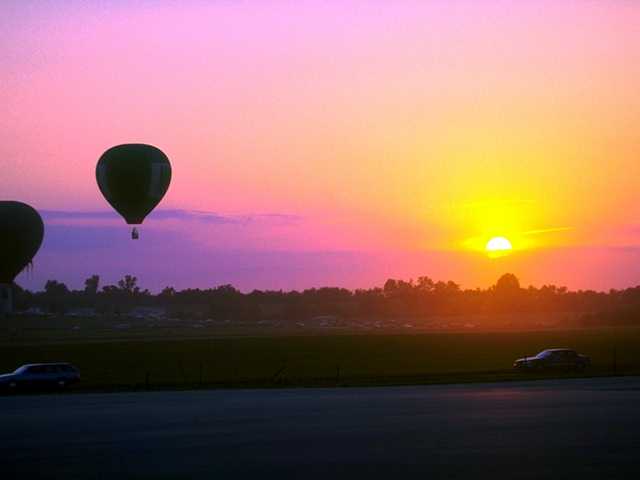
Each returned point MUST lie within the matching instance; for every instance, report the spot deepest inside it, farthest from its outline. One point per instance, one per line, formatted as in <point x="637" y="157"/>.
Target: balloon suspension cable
<point x="135" y="235"/>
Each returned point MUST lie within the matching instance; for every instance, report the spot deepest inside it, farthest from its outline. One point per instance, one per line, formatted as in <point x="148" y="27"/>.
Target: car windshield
<point x="544" y="354"/>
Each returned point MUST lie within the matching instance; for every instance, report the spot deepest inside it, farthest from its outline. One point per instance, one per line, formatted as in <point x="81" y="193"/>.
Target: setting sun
<point x="498" y="246"/>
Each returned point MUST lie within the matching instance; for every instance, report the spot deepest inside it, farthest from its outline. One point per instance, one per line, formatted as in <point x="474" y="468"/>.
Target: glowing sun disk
<point x="499" y="244"/>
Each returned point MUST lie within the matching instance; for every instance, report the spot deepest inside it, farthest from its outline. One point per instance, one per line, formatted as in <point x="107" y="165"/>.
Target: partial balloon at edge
<point x="21" y="235"/>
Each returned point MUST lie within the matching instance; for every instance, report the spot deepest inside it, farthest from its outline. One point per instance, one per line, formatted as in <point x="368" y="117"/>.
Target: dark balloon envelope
<point x="21" y="234"/>
<point x="133" y="178"/>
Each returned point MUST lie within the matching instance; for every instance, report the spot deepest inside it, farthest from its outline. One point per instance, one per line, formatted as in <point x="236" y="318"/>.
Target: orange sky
<point x="384" y="126"/>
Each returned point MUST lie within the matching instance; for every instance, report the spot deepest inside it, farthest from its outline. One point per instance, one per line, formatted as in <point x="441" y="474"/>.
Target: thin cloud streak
<point x="547" y="230"/>
<point x="60" y="216"/>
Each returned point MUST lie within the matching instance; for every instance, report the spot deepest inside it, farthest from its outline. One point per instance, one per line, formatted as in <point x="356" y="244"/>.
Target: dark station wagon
<point x="40" y="376"/>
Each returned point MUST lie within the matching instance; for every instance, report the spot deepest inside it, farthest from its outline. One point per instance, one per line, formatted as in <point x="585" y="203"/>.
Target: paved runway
<point x="553" y="429"/>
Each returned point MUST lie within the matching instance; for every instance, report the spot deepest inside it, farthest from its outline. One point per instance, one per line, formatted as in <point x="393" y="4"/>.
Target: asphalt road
<point x="587" y="428"/>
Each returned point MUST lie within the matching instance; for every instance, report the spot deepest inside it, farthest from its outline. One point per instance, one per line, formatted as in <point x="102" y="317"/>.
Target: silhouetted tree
<point x="55" y="294"/>
<point x="507" y="284"/>
<point x="129" y="284"/>
<point x="507" y="294"/>
<point x="167" y="292"/>
<point x="55" y="288"/>
<point x="91" y="285"/>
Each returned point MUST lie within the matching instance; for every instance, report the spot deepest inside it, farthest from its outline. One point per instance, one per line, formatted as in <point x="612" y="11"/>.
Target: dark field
<point x="324" y="360"/>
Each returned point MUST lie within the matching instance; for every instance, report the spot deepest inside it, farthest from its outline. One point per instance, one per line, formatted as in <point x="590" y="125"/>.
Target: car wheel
<point x="62" y="383"/>
<point x="13" y="385"/>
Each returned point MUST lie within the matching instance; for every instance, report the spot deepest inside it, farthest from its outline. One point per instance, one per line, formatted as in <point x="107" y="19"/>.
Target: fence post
<point x="182" y="372"/>
<point x="146" y="380"/>
<point x="276" y="375"/>
<point x="615" y="361"/>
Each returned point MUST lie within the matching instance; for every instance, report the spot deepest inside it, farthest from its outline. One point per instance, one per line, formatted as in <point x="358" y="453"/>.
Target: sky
<point x="330" y="142"/>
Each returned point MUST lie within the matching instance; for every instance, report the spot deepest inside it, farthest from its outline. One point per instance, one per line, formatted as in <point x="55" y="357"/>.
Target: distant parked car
<point x="40" y="376"/>
<point x="553" y="359"/>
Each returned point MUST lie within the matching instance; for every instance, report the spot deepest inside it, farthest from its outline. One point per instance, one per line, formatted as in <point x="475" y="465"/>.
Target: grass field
<point x="323" y="359"/>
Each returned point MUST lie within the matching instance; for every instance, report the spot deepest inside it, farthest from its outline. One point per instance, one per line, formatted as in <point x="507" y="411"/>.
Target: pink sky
<point x="343" y="142"/>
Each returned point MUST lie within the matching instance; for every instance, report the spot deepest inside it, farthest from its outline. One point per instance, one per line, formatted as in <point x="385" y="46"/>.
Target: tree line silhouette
<point x="395" y="300"/>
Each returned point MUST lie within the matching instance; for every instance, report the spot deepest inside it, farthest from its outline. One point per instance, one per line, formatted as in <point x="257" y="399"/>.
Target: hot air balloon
<point x="21" y="233"/>
<point x="133" y="178"/>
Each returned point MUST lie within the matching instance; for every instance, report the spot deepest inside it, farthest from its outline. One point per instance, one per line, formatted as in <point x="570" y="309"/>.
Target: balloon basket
<point x="135" y="235"/>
